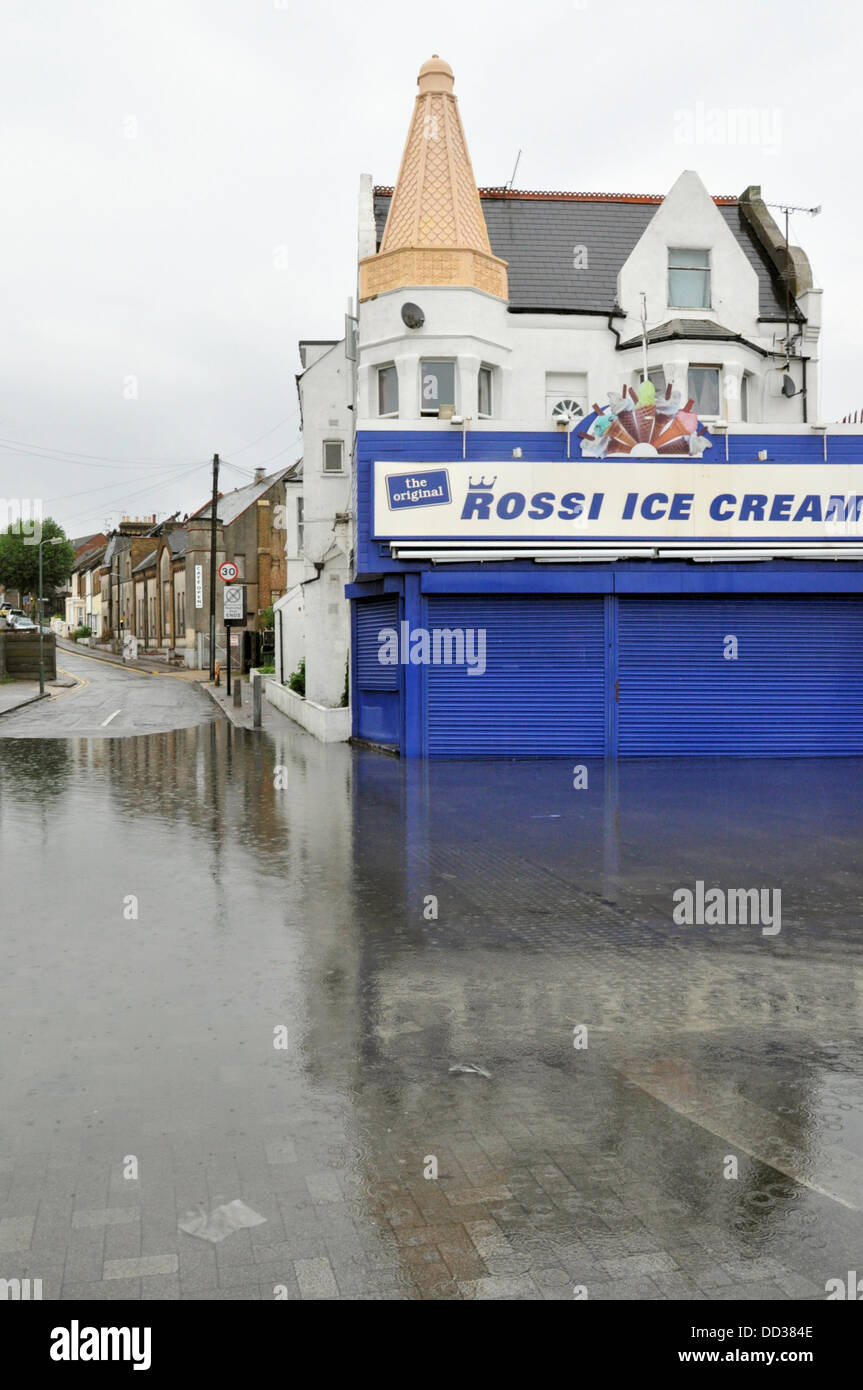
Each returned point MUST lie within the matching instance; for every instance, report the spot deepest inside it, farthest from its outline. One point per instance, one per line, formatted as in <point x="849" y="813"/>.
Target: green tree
<point x="19" y="558"/>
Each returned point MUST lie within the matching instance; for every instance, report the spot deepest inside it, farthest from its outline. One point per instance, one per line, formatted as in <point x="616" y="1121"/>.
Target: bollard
<point x="256" y="699"/>
<point x="238" y="692"/>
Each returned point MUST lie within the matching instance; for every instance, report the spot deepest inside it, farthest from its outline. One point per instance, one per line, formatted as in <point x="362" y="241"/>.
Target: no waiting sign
<point x="228" y="571"/>
<point x="235" y="603"/>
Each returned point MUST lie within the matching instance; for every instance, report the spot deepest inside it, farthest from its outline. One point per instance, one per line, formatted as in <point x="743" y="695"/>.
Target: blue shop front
<point x="542" y="595"/>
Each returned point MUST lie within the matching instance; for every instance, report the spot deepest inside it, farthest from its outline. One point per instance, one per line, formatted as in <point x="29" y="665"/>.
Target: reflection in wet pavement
<point x="170" y="918"/>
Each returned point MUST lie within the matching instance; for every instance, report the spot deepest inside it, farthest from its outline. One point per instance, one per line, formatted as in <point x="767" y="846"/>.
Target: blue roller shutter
<point x="373" y="615"/>
<point x="543" y="690"/>
<point x="795" y="689"/>
<point x="377" y="693"/>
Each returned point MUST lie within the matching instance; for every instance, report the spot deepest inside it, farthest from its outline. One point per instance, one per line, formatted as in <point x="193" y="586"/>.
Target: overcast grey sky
<point x="179" y="183"/>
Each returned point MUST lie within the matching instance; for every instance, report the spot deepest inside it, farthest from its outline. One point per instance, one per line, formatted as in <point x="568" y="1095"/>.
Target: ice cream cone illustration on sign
<point x="625" y="415"/>
<point x="678" y="430"/>
<point x="646" y="429"/>
<point x="645" y="413"/>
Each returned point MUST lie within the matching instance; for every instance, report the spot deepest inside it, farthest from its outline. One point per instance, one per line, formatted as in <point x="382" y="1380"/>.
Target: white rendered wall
<point x="326" y="390"/>
<point x="290" y="634"/>
<point x="475" y="329"/>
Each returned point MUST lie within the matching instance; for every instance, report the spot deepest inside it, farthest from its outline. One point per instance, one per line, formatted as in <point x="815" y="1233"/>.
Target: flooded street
<point x="243" y="967"/>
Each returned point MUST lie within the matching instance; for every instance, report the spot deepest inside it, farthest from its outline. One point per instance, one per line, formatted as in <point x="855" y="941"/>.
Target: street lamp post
<point x="48" y="540"/>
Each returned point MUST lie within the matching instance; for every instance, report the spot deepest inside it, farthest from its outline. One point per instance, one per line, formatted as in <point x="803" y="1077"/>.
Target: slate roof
<point x="146" y="562"/>
<point x="693" y="329"/>
<point x="115" y="545"/>
<point x="233" y="504"/>
<point x="536" y="234"/>
<point x="177" y="540"/>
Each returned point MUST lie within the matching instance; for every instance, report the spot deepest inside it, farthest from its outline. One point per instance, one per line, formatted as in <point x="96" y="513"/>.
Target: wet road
<point x="241" y="967"/>
<point x="103" y="700"/>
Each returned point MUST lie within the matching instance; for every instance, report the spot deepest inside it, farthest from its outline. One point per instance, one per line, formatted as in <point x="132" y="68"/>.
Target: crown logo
<point x="482" y="482"/>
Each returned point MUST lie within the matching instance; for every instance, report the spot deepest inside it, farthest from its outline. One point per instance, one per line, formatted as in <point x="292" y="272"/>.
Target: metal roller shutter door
<point x="543" y="690"/>
<point x="795" y="690"/>
<point x="373" y="615"/>
<point x="377" y="714"/>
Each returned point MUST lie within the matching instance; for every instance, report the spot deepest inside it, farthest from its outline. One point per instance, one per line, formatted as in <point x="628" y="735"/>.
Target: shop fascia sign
<point x="622" y="497"/>
<point x="641" y="476"/>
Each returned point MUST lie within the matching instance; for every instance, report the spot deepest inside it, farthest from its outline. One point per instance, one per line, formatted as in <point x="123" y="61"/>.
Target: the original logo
<point x="429" y="489"/>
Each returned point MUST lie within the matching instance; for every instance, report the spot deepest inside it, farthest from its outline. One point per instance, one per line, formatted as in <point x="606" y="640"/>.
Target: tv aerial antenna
<point x="787" y="209"/>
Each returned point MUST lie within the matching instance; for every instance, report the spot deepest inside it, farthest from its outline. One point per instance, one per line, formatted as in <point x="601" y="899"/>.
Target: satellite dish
<point x="413" y="316"/>
<point x="788" y="387"/>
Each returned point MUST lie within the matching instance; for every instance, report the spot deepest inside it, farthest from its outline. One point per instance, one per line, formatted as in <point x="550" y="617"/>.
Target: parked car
<point x="22" y="624"/>
<point x="8" y="612"/>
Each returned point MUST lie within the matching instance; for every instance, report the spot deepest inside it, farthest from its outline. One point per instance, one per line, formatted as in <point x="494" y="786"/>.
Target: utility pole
<point x="52" y="540"/>
<point x="214" y="506"/>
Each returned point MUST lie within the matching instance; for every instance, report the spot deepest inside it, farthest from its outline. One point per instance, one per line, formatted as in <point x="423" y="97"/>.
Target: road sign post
<point x="234" y="608"/>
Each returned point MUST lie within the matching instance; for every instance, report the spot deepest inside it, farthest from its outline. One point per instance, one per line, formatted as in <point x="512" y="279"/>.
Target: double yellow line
<point x="61" y="695"/>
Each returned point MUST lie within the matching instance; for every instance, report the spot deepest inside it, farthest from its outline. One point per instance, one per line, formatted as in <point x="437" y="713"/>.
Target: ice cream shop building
<point x="595" y="508"/>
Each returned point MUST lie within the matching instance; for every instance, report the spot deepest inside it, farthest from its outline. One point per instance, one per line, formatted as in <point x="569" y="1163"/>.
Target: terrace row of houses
<point x="151" y="578"/>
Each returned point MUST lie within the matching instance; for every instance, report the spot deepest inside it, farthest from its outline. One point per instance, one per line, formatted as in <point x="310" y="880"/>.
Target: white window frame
<point x="651" y="373"/>
<point x="432" y="411"/>
<point x="489" y="371"/>
<point x="328" y="443"/>
<point x="379" y="370"/>
<point x="706" y="367"/>
<point x="556" y="390"/>
<point x="682" y="250"/>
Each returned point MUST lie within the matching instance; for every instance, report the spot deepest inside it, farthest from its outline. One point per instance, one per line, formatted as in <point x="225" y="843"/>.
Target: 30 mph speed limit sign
<point x="229" y="571"/>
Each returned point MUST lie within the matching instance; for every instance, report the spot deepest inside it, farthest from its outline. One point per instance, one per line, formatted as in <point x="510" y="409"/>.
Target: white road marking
<point x="724" y="1113"/>
<point x="110" y="717"/>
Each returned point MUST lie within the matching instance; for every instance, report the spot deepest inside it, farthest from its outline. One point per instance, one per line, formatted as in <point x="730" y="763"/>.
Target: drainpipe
<point x="319" y="566"/>
<point x="616" y="313"/>
<point x="804" y="360"/>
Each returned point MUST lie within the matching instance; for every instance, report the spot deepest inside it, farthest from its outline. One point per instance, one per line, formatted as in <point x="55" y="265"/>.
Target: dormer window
<point x="437" y="387"/>
<point x="688" y="279"/>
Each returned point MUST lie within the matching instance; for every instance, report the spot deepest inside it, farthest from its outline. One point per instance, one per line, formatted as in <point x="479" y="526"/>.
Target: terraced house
<point x="155" y="575"/>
